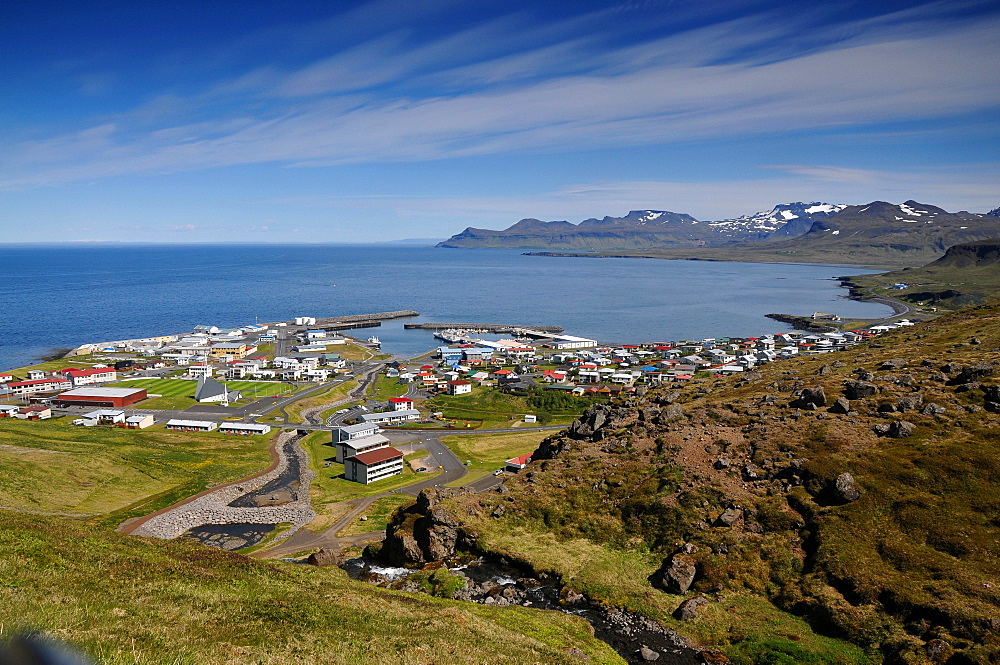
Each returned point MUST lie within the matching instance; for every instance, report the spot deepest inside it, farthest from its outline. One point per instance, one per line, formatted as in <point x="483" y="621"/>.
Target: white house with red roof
<point x="85" y="377"/>
<point x="369" y="467"/>
<point x="401" y="403"/>
<point x="38" y="386"/>
<point x="518" y="463"/>
<point x="459" y="387"/>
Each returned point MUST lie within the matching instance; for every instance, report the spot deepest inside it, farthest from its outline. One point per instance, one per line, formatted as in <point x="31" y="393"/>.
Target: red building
<point x="119" y="397"/>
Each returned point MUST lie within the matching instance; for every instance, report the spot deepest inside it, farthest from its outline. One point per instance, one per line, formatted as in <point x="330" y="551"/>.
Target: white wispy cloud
<point x="457" y="96"/>
<point x="960" y="187"/>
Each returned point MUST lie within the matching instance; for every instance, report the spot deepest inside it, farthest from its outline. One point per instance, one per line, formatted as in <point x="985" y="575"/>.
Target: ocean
<point x="61" y="297"/>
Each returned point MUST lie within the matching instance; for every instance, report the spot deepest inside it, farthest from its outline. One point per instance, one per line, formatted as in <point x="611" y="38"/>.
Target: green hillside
<point x="898" y="561"/>
<point x="128" y="600"/>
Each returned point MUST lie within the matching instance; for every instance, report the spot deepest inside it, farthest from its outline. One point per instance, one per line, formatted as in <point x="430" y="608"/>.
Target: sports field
<point x="179" y="393"/>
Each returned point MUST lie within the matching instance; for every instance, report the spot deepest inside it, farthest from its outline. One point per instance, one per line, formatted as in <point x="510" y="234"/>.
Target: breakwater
<point x="488" y="327"/>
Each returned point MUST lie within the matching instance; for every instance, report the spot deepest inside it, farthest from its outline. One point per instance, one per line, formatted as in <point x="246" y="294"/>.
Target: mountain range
<point x="908" y="233"/>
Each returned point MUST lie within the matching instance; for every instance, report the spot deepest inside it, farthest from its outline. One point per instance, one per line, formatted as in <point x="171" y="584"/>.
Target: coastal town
<point x="240" y="381"/>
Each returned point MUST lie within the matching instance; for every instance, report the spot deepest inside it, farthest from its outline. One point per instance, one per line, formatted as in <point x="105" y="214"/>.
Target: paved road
<point x="303" y="540"/>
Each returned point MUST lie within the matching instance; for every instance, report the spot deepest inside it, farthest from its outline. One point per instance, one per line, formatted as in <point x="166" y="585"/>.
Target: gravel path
<point x="214" y="508"/>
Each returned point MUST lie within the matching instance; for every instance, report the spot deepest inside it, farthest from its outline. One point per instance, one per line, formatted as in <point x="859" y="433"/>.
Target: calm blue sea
<point x="61" y="296"/>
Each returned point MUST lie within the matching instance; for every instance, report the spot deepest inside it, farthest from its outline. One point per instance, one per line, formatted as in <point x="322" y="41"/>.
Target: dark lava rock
<point x="722" y="463"/>
<point x="966" y="387"/>
<point x="940" y="377"/>
<point x="814" y="397"/>
<point x="671" y="412"/>
<point x="886" y="408"/>
<point x="842" y="406"/>
<point x="729" y="517"/>
<point x="901" y="429"/>
<point x="751" y="472"/>
<point x="910" y="402"/>
<point x="668" y="398"/>
<point x="933" y="409"/>
<point x="974" y="373"/>
<point x="859" y="389"/>
<point x="688" y="610"/>
<point x="325" y="557"/>
<point x="845" y="489"/>
<point x="679" y="573"/>
<point x="824" y="370"/>
<point x="894" y="363"/>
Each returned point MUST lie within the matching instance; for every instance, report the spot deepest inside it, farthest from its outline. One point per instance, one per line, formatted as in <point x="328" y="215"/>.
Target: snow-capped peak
<point x="782" y="216"/>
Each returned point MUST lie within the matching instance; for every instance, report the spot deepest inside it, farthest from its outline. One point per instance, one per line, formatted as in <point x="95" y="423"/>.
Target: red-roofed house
<point x="83" y="377"/>
<point x="459" y="387"/>
<point x="367" y="468"/>
<point x="34" y="413"/>
<point x="401" y="403"/>
<point x="519" y="463"/>
<point x="38" y="386"/>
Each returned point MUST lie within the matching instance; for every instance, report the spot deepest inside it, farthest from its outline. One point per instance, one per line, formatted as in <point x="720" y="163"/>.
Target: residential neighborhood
<point x="189" y="382"/>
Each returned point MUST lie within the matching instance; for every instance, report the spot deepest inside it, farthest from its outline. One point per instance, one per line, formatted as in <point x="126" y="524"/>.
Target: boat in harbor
<point x="375" y="341"/>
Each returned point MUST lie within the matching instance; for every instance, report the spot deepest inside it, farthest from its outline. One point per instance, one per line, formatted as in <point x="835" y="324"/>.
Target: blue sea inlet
<point x="59" y="296"/>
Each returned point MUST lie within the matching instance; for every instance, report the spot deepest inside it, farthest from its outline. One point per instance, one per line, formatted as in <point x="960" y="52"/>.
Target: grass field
<point x="488" y="452"/>
<point x="179" y="393"/>
<point x="490" y="407"/>
<point x="21" y="373"/>
<point x="378" y="515"/>
<point x="51" y="466"/>
<point x="329" y="395"/>
<point x="129" y="601"/>
<point x="384" y="387"/>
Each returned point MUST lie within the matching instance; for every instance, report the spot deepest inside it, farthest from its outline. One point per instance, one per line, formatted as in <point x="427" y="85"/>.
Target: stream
<point x="494" y="581"/>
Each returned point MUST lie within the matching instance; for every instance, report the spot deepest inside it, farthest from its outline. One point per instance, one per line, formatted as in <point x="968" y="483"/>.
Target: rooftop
<point x="376" y="456"/>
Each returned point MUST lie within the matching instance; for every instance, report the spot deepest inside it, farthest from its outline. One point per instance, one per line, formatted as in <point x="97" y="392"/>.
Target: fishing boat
<point x="375" y="341"/>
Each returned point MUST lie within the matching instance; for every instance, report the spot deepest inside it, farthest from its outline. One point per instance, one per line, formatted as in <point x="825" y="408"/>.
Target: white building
<point x="369" y="467"/>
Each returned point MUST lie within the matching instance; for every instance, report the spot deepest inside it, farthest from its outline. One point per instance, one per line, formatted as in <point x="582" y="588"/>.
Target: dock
<point x="488" y="327"/>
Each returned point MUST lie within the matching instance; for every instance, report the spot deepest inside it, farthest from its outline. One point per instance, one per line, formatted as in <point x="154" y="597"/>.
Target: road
<point x="303" y="540"/>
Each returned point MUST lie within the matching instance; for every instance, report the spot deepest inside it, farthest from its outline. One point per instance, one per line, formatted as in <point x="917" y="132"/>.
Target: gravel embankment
<point x="214" y="508"/>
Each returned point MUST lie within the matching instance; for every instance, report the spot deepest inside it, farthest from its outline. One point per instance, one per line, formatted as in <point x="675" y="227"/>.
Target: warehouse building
<point x="114" y="397"/>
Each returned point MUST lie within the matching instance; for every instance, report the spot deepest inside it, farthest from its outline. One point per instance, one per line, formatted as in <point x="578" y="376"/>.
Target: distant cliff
<point x="970" y="255"/>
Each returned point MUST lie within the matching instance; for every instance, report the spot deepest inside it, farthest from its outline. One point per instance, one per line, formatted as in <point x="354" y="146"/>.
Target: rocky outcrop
<point x="859" y="389"/>
<point x="679" y="570"/>
<point x="599" y="419"/>
<point x="811" y="398"/>
<point x="845" y="489"/>
<point x="424" y="532"/>
<point x="688" y="610"/>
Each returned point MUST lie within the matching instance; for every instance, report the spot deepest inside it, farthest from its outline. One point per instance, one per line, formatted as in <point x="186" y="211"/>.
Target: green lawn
<point x="179" y="393"/>
<point x="378" y="515"/>
<point x="488" y="452"/>
<point x="385" y="387"/>
<point x="331" y="394"/>
<point x="52" y="466"/>
<point x="21" y="373"/>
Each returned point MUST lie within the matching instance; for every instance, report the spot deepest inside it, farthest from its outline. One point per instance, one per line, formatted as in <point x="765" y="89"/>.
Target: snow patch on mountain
<point x="764" y="223"/>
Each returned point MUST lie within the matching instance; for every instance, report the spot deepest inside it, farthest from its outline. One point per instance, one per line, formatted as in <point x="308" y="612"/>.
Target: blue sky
<point x="367" y="121"/>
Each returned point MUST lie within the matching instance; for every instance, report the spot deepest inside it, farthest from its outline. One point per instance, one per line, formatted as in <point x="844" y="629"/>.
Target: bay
<point x="59" y="296"/>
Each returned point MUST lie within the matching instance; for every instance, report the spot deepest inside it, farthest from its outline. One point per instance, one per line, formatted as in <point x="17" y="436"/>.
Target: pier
<point x="349" y="321"/>
<point x="488" y="327"/>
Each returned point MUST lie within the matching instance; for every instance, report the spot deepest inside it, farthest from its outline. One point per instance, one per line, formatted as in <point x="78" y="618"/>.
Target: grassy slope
<point x="912" y="560"/>
<point x="52" y="466"/>
<point x="974" y="284"/>
<point x="128" y="600"/>
<point x="488" y="452"/>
